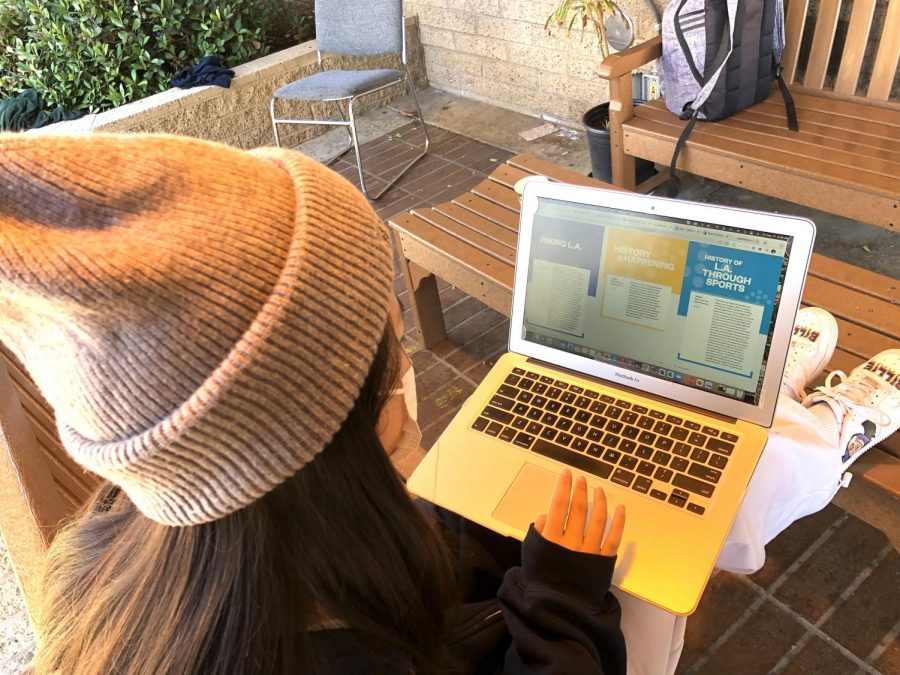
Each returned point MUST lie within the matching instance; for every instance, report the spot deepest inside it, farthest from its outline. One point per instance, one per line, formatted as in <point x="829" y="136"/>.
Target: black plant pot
<point x="595" y="121"/>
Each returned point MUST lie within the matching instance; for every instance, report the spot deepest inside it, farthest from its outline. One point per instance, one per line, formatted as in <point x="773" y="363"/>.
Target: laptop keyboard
<point x="666" y="457"/>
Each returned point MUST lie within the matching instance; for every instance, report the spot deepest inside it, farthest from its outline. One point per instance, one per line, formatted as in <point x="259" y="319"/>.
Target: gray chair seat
<point x="337" y="84"/>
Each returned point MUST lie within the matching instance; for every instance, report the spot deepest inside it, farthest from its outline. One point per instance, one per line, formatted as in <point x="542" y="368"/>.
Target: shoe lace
<point x="849" y="394"/>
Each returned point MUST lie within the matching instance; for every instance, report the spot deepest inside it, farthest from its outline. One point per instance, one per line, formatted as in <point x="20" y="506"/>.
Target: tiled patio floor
<point x="826" y="601"/>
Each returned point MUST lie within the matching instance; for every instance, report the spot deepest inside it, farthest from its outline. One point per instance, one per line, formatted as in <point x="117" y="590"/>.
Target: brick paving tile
<point x="390" y="199"/>
<point x="461" y="153"/>
<point x="426" y="169"/>
<point x="782" y="551"/>
<point x="480" y="370"/>
<point x="422" y="360"/>
<point x="402" y="205"/>
<point x="817" y="657"/>
<point x="758" y="645"/>
<point x="463" y="310"/>
<point x="399" y="286"/>
<point x="480" y="348"/>
<point x="392" y="161"/>
<point x="441" y="401"/>
<point x="814" y="587"/>
<point x="868" y="615"/>
<point x="434" y="186"/>
<point x="431" y="380"/>
<point x="488" y="164"/>
<point x="449" y="142"/>
<point x="432" y="432"/>
<point x="724" y="602"/>
<point x="466" y="331"/>
<point x="376" y="143"/>
<point x="451" y="187"/>
<point x="889" y="661"/>
<point x="482" y="153"/>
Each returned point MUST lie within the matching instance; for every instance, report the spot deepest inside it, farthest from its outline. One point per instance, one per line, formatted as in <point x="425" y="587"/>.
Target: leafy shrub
<point x="97" y="54"/>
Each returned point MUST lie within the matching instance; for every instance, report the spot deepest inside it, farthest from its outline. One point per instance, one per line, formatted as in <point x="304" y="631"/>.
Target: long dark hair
<point x="339" y="543"/>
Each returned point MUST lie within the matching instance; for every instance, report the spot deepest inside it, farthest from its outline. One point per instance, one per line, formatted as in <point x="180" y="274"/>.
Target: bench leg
<point x="424" y="300"/>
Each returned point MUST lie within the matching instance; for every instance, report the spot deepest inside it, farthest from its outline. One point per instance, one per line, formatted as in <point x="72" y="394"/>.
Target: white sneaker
<point x="812" y="344"/>
<point x="866" y="403"/>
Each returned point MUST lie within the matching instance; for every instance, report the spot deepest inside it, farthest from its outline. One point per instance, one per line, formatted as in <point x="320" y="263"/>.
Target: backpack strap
<point x="673" y="187"/>
<point x="789" y="107"/>
<point x="778" y="48"/>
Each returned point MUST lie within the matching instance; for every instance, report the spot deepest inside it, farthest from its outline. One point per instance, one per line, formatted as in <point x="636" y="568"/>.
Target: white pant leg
<point x="797" y="475"/>
<point x="654" y="637"/>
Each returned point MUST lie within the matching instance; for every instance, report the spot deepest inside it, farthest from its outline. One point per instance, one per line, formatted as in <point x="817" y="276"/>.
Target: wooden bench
<point x="40" y="485"/>
<point x="845" y="159"/>
<point x="470" y="242"/>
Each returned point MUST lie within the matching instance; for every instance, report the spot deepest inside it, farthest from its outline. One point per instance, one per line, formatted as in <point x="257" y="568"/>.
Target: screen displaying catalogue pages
<point x="680" y="301"/>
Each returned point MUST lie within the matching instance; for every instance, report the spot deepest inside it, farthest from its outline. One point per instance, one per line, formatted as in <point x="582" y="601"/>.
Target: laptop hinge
<point x="635" y="392"/>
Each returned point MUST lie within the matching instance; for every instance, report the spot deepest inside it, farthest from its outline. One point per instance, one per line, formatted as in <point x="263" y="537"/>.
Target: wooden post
<point x="620" y="109"/>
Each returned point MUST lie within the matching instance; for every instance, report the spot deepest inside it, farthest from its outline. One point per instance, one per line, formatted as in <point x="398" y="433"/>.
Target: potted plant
<point x="593" y="14"/>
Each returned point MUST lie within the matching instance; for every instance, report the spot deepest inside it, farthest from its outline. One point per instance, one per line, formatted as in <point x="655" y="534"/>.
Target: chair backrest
<point x="360" y="27"/>
<point x="853" y="47"/>
<point x="40" y="485"/>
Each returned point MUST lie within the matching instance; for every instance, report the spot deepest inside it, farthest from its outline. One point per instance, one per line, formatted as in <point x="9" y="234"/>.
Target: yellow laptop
<point x="647" y="342"/>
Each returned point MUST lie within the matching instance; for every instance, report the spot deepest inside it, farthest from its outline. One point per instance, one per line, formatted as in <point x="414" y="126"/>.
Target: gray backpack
<point x="719" y="57"/>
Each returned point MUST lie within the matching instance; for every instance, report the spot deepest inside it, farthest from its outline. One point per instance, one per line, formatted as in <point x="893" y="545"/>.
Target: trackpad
<point x="528" y="497"/>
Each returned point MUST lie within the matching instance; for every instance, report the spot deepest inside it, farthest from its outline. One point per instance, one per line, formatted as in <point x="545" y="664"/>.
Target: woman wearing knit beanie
<point x="216" y="334"/>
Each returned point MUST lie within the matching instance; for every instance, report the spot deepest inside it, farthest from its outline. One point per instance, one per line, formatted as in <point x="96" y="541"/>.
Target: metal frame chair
<point x="370" y="31"/>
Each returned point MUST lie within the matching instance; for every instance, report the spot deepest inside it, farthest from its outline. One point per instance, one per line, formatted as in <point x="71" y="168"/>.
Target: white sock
<point x="825" y="414"/>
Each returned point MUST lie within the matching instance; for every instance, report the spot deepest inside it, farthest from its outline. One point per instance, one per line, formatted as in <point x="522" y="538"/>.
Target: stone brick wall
<point x="239" y="115"/>
<point x="498" y="51"/>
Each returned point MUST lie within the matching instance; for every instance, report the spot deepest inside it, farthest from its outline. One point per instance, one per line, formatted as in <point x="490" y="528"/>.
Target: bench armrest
<point x="622" y="63"/>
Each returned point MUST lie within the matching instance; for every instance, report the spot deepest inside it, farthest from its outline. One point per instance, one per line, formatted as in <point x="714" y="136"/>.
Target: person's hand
<point x="565" y="522"/>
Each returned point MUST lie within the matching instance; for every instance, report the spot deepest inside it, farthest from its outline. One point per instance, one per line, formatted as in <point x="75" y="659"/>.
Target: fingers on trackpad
<point x="527" y="497"/>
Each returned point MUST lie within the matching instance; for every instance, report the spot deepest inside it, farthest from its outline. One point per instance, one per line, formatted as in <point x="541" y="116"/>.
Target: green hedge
<point x="96" y="54"/>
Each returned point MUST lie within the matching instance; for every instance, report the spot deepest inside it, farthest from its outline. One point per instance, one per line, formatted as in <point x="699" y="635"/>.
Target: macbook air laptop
<point x="647" y="342"/>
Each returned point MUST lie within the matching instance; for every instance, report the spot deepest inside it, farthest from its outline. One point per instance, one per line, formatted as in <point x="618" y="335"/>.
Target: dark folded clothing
<point x="27" y="111"/>
<point x="209" y="70"/>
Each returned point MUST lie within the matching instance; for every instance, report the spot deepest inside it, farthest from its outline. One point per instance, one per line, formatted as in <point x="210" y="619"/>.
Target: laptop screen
<point x="679" y="300"/>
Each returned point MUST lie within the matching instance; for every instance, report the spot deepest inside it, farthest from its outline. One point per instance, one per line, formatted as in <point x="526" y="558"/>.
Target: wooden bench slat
<point x="498" y="194"/>
<point x="857" y="145"/>
<point x="468" y="235"/>
<point x="855" y="47"/>
<point x="860" y="124"/>
<point x="463" y="255"/>
<point x="823" y="39"/>
<point x="770" y="112"/>
<point x="508" y="176"/>
<point x="774" y="118"/>
<point x="794" y="143"/>
<point x="857" y="278"/>
<point x="490" y="210"/>
<point x="818" y="169"/>
<point x="836" y="106"/>
<point x="853" y="306"/>
<point x="850" y="150"/>
<point x="497" y="231"/>
<point x="475" y="228"/>
<point x="69" y="476"/>
<point x="794" y="22"/>
<point x="888" y="54"/>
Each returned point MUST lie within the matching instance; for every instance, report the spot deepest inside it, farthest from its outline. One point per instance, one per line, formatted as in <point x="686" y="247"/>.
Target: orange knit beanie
<point x="200" y="318"/>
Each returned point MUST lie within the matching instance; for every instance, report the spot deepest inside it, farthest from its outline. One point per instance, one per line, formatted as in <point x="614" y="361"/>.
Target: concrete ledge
<point x="239" y="115"/>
